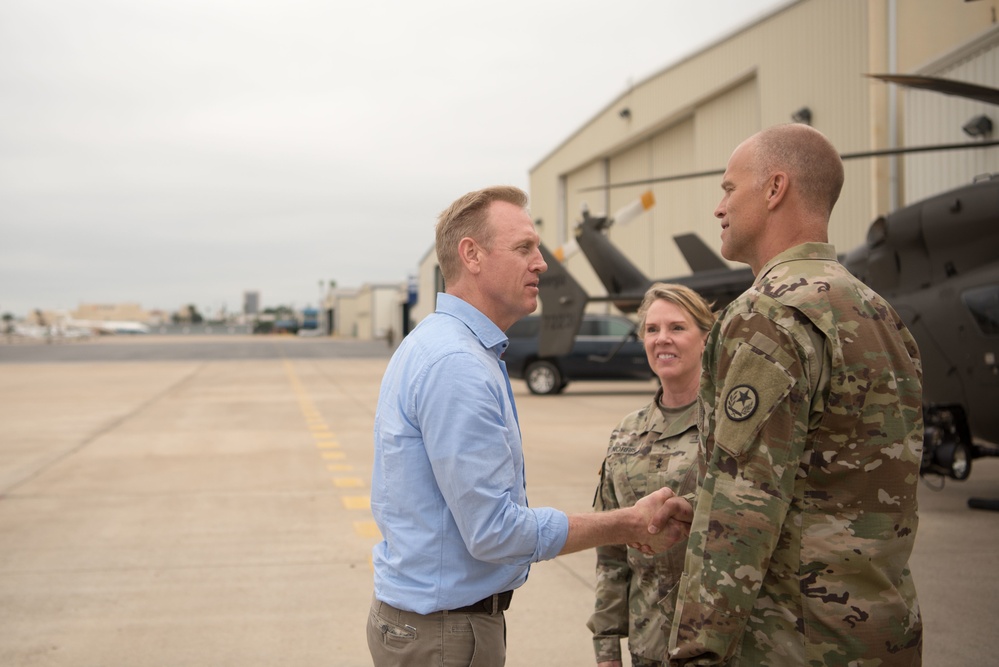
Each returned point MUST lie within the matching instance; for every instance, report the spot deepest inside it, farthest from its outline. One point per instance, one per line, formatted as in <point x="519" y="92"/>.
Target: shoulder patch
<point x="741" y="402"/>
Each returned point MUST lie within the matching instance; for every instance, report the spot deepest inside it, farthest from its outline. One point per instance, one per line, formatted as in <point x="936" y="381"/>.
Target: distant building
<point x="158" y="317"/>
<point x="251" y="303"/>
<point x="429" y="281"/>
<point x="107" y="312"/>
<point x="188" y="314"/>
<point x="310" y="319"/>
<point x="372" y="312"/>
<point x="44" y="318"/>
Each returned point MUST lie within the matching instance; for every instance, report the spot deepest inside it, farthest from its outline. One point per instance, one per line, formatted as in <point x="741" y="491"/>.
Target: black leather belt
<point x="490" y="605"/>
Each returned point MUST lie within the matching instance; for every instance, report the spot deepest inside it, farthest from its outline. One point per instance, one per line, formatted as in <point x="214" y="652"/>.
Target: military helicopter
<point x="935" y="261"/>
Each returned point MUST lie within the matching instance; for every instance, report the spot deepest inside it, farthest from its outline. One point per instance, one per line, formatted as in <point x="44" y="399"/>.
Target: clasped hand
<point x="667" y="518"/>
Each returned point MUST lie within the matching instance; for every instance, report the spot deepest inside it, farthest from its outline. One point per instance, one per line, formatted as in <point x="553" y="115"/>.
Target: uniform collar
<point x="657" y="420"/>
<point x="820" y="251"/>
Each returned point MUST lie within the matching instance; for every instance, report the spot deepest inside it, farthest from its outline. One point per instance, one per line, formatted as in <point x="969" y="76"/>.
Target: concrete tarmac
<point x="211" y="509"/>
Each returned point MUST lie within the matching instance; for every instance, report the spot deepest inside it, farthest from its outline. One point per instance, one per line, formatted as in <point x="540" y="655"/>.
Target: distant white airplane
<point x="107" y="326"/>
<point x="43" y="332"/>
<point x="64" y="325"/>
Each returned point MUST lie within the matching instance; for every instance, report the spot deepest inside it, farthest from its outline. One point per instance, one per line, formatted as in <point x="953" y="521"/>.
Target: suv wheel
<point x="543" y="378"/>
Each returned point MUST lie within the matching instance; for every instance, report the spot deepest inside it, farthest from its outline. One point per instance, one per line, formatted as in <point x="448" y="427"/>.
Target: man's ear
<point x="776" y="189"/>
<point x="470" y="254"/>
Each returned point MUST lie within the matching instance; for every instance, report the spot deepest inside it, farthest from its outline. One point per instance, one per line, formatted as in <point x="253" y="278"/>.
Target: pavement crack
<point x="59" y="457"/>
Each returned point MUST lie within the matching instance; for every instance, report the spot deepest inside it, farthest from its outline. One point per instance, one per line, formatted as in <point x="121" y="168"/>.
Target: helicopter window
<point x="983" y="302"/>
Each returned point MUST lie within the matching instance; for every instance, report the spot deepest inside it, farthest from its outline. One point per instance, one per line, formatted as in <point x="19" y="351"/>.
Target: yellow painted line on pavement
<point x="356" y="502"/>
<point x="367" y="529"/>
<point x="329" y="449"/>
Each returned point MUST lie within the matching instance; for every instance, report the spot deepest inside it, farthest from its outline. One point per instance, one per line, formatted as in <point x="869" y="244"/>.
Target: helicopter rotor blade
<point x="939" y="85"/>
<point x="844" y="156"/>
<point x="661" y="179"/>
<point x="971" y="91"/>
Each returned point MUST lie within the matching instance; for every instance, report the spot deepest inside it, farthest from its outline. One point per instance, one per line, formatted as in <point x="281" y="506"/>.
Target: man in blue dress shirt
<point x="448" y="489"/>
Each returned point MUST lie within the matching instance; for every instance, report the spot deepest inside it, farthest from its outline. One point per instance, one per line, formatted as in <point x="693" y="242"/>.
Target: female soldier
<point x="653" y="447"/>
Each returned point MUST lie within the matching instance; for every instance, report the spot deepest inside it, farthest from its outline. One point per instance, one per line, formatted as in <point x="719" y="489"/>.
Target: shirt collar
<point x="490" y="335"/>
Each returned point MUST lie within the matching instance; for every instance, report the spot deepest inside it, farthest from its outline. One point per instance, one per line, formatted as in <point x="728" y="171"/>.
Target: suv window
<point x="619" y="328"/>
<point x="605" y="327"/>
<point x="528" y="327"/>
<point x="603" y="350"/>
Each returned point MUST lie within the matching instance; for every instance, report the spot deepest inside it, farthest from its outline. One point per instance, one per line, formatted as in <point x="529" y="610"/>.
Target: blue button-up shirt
<point x="448" y="490"/>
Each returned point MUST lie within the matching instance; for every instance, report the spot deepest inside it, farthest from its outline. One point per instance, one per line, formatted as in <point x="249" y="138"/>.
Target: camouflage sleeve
<point x="609" y="621"/>
<point x="759" y="416"/>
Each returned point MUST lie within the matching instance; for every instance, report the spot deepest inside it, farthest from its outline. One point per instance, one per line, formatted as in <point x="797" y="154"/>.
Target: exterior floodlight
<point x="979" y="126"/>
<point x="802" y="115"/>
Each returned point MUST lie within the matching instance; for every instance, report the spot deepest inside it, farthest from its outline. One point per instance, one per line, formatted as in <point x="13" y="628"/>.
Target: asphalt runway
<point x="202" y="503"/>
<point x="186" y="348"/>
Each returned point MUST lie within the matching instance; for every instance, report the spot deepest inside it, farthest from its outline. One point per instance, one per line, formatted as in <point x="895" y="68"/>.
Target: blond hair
<point x="680" y="296"/>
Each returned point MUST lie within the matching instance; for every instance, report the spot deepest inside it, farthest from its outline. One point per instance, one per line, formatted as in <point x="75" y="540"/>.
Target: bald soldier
<point x="811" y="437"/>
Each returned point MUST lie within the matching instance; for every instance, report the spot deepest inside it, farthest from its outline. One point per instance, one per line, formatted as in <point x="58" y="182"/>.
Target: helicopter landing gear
<point x="947" y="447"/>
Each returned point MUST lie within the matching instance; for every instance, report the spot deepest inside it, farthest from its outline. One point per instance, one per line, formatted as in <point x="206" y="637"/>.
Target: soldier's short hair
<point x="811" y="161"/>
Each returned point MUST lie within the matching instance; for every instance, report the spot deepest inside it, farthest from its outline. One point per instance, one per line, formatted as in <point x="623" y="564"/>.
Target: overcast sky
<point x="169" y="152"/>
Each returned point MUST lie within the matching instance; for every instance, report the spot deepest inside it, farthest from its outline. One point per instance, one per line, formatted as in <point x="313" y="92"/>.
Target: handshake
<point x="663" y="520"/>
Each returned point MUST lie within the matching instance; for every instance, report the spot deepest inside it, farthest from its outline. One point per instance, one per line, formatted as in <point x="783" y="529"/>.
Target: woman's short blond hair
<point x="680" y="296"/>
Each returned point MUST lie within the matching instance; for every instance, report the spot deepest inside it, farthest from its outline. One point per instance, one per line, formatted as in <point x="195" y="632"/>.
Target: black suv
<point x="591" y="357"/>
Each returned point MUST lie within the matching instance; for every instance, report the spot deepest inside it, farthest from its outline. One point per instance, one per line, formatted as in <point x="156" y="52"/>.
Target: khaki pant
<point x="398" y="638"/>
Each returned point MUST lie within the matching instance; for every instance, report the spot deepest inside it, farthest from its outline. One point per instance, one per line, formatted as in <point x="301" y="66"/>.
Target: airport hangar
<point x="811" y="55"/>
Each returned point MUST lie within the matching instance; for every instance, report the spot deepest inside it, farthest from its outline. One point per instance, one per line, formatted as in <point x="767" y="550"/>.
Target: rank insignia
<point x="741" y="403"/>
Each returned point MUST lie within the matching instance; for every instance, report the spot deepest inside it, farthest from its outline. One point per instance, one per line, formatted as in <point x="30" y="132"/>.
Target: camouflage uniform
<point x="650" y="448"/>
<point x="806" y="512"/>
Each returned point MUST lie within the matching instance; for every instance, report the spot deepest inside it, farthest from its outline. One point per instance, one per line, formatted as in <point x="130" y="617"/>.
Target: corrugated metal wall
<point x="815" y="53"/>
<point x="932" y="118"/>
<point x="689" y="118"/>
<point x="810" y="53"/>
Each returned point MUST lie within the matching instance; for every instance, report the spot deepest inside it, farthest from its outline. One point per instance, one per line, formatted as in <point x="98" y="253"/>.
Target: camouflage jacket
<point x="650" y="448"/>
<point x="805" y="516"/>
